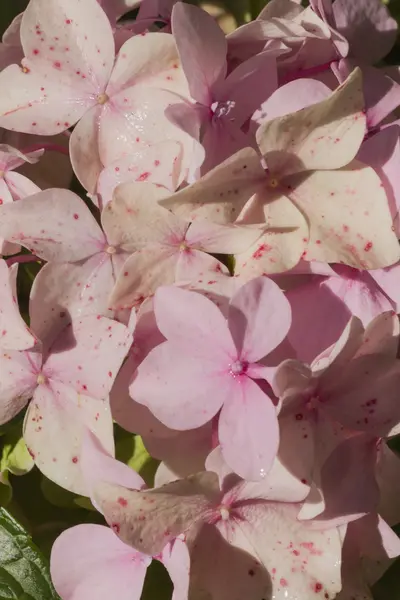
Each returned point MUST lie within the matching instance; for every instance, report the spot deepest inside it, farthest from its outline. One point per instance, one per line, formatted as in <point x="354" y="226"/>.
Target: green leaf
<point x="5" y="489"/>
<point x="24" y="573"/>
<point x="14" y="456"/>
<point x="129" y="449"/>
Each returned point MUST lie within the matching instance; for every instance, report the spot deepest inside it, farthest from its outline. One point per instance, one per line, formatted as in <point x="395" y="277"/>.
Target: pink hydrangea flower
<point x="210" y="364"/>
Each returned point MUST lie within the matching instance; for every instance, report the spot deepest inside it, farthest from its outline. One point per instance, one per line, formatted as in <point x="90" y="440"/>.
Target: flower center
<point x="102" y="98"/>
<point x="224" y="512"/>
<point x="238" y="367"/>
<point x="41" y="379"/>
<point x="273" y="182"/>
<point x="222" y="109"/>
<point x="110" y="249"/>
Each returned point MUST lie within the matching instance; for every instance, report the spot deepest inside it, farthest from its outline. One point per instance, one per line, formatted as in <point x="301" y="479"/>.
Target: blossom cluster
<point x="228" y="289"/>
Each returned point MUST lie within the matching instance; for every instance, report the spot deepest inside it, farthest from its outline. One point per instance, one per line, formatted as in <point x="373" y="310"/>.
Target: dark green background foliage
<point x="33" y="510"/>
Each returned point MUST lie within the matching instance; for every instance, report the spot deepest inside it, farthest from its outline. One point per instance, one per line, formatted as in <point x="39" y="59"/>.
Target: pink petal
<point x="366" y="20"/>
<point x="99" y="565"/>
<point x="126" y="412"/>
<point x="99" y="466"/>
<point x="365" y="398"/>
<point x="54" y="427"/>
<point x="331" y="138"/>
<point x="80" y="66"/>
<point x="277" y="522"/>
<point x="84" y="149"/>
<point x="279" y="249"/>
<point x="64" y="292"/>
<point x="195" y="389"/>
<point x="346" y="208"/>
<point x="293" y="96"/>
<point x="248" y="430"/>
<point x="259" y="318"/>
<point x="49" y="225"/>
<point x="134" y="219"/>
<point x="105" y="341"/>
<point x="164" y="513"/>
<point x="387" y="475"/>
<point x="182" y="452"/>
<point x="20" y="186"/>
<point x="220" y="195"/>
<point x="17" y="381"/>
<point x="14" y="334"/>
<point x="258" y="74"/>
<point x="204" y="64"/>
<point x="222" y="239"/>
<point x="151" y="61"/>
<point x="160" y="163"/>
<point x="176" y="559"/>
<point x="143" y="272"/>
<point x="194" y="324"/>
<point x="316" y="309"/>
<point x="348" y="481"/>
<point x="194" y="264"/>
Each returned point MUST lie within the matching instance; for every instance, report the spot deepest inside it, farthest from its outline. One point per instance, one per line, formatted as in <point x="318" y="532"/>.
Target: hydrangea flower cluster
<point x="228" y="289"/>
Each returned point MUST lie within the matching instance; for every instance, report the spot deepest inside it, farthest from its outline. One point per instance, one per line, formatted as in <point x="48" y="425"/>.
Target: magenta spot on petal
<point x="76" y="216"/>
<point x="74" y="459"/>
<point x="368" y="246"/>
<point x="144" y="176"/>
<point x="122" y="501"/>
<point x="283" y="582"/>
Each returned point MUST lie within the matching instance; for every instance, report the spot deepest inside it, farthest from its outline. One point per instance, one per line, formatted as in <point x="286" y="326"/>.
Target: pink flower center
<point x="41" y="379"/>
<point x="239" y="367"/>
<point x="222" y="109"/>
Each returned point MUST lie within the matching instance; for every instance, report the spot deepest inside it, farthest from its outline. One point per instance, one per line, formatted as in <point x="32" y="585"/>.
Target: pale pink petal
<point x="5" y="194"/>
<point x="17" y="381"/>
<point x="226" y="572"/>
<point x="160" y="163"/>
<point x="222" y="137"/>
<point x="193" y="323"/>
<point x="151" y="61"/>
<point x="98" y="465"/>
<point x="175" y="558"/>
<point x="142" y="273"/>
<point x="289" y="98"/>
<point x="105" y="341"/>
<point x="248" y="430"/>
<point x="220" y="195"/>
<point x="14" y="334"/>
<point x="316" y="309"/>
<point x="326" y="135"/>
<point x="100" y="566"/>
<point x="365" y="398"/>
<point x="20" y="186"/>
<point x="126" y="412"/>
<point x="348" y="481"/>
<point x="387" y="471"/>
<point x="279" y="249"/>
<point x="346" y="209"/>
<point x="71" y="66"/>
<point x="69" y="291"/>
<point x="182" y="452"/>
<point x="137" y="118"/>
<point x="363" y="20"/>
<point x="195" y="390"/>
<point x="193" y="264"/>
<point x="290" y="546"/>
<point x="259" y="74"/>
<point x="381" y="336"/>
<point x="259" y="318"/>
<point x="84" y="149"/>
<point x="375" y="538"/>
<point x="54" y="426"/>
<point x="134" y="219"/>
<point x="54" y="224"/>
<point x="166" y="512"/>
<point x="204" y="64"/>
<point x="222" y="239"/>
